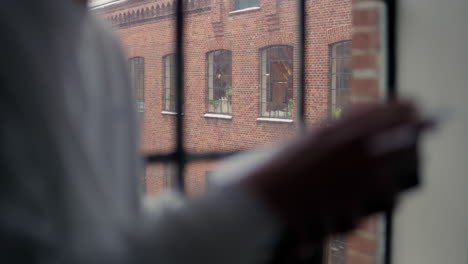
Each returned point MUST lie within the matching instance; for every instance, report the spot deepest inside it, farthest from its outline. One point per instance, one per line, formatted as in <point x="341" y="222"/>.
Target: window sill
<point x="219" y="116"/>
<point x="248" y="9"/>
<point x="168" y="113"/>
<point x="276" y="120"/>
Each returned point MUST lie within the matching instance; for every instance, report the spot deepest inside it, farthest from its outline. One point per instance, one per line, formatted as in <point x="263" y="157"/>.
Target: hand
<point x="328" y="180"/>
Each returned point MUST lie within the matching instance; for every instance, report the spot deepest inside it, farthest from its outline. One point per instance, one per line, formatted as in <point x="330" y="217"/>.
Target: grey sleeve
<point x="228" y="226"/>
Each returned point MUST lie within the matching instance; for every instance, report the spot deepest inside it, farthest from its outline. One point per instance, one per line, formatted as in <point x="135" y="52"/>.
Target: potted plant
<point x="289" y="108"/>
<point x="215" y="106"/>
<point x="224" y="104"/>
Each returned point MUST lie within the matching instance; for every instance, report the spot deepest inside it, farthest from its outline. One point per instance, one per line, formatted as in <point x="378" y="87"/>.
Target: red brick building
<point x="241" y="77"/>
<point x="256" y="40"/>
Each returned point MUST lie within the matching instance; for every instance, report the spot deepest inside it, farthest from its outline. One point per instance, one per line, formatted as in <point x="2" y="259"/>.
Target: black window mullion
<point x="180" y="152"/>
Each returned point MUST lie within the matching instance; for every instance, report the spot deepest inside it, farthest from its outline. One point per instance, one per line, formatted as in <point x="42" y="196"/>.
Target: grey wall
<point x="432" y="224"/>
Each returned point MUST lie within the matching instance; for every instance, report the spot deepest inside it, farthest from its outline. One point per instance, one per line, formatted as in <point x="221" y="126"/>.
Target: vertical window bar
<point x="180" y="150"/>
<point x="318" y="258"/>
<point x="391" y="64"/>
<point x="301" y="65"/>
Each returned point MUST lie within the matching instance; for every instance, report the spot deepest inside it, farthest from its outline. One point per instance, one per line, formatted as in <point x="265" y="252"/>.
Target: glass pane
<point x="242" y="80"/>
<point x="241" y="4"/>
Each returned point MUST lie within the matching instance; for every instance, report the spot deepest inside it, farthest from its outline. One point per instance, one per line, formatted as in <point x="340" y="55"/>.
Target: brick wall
<point x="147" y="30"/>
<point x="368" y="58"/>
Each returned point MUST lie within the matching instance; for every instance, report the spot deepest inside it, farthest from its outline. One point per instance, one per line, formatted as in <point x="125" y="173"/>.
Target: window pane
<point x="241" y="79"/>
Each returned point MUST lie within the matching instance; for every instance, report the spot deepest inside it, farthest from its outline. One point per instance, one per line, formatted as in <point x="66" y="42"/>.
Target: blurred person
<point x="69" y="162"/>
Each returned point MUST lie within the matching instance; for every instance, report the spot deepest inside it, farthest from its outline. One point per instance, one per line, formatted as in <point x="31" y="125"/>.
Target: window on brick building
<point x="242" y="4"/>
<point x="340" y="77"/>
<point x="169" y="83"/>
<point x="219" y="81"/>
<point x="137" y="80"/>
<point x="277" y="82"/>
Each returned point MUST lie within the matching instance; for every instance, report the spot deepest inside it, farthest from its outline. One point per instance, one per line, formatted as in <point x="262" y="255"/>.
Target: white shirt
<point x="69" y="160"/>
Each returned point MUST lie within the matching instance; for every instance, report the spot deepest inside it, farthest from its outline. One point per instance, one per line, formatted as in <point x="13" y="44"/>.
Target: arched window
<point x="340" y="77"/>
<point x="169" y="83"/>
<point x="276" y="82"/>
<point x="219" y="81"/>
<point x="137" y="81"/>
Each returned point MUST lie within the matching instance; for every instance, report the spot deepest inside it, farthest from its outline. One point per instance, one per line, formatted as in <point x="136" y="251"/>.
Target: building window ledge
<point x="248" y="9"/>
<point x="168" y="113"/>
<point x="278" y="120"/>
<point x="219" y="116"/>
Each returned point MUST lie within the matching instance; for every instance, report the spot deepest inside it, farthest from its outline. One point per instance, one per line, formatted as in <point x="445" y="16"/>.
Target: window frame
<point x="209" y="82"/>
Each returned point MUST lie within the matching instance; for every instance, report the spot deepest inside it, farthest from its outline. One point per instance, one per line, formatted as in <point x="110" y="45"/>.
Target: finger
<point x="372" y="121"/>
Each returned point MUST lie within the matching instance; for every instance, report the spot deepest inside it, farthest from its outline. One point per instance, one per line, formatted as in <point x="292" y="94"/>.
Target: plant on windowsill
<point x="336" y="113"/>
<point x="289" y="108"/>
<point x="220" y="105"/>
<point x="214" y="105"/>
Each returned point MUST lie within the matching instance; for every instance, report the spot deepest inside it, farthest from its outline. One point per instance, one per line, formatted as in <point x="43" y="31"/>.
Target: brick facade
<point x="146" y="28"/>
